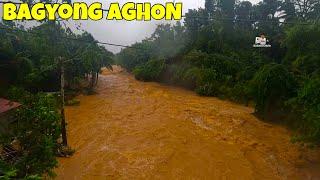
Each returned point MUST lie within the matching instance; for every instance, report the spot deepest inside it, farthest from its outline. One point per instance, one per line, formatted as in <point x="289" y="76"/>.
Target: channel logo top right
<point x="262" y="42"/>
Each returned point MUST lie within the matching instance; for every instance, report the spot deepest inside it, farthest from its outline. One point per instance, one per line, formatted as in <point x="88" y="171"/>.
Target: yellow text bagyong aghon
<point x="81" y="11"/>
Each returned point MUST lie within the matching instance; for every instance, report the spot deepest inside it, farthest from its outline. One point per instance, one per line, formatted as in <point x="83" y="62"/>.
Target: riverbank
<point x="140" y="130"/>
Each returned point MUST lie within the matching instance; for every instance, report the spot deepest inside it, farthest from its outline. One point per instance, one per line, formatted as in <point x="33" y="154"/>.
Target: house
<point x="6" y="109"/>
<point x="7" y="152"/>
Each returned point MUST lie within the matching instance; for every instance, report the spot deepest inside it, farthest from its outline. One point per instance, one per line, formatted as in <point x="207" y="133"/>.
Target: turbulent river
<point x="137" y="130"/>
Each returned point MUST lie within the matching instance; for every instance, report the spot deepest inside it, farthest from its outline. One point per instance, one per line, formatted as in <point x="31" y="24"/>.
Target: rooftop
<point x="7" y="105"/>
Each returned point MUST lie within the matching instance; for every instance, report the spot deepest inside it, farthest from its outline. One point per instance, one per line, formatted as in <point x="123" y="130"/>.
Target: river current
<point x="138" y="130"/>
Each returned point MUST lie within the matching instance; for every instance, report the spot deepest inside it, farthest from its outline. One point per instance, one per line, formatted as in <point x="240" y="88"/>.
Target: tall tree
<point x="210" y="6"/>
<point x="227" y="7"/>
<point x="305" y="9"/>
<point x="243" y="12"/>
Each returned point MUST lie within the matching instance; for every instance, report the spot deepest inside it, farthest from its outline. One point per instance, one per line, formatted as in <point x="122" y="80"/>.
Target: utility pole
<point x="63" y="119"/>
<point x="174" y="32"/>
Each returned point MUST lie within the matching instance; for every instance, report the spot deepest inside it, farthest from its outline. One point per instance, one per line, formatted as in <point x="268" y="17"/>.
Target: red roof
<point x="7" y="105"/>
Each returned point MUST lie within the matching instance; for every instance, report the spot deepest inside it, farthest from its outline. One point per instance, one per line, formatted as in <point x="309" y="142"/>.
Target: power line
<point x="70" y="38"/>
<point x="244" y="20"/>
<point x="64" y="37"/>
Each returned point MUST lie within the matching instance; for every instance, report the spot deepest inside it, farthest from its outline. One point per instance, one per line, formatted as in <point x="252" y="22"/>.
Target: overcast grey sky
<point x="127" y="33"/>
<point x="124" y="32"/>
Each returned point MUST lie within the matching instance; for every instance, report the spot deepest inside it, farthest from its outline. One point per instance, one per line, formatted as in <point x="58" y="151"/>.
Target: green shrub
<point x="309" y="101"/>
<point x="190" y="77"/>
<point x="311" y="125"/>
<point x="240" y="93"/>
<point x="150" y="71"/>
<point x="208" y="83"/>
<point x="37" y="129"/>
<point x="271" y="86"/>
<point x="302" y="41"/>
<point x="309" y="95"/>
<point x="307" y="64"/>
<point x="18" y="94"/>
<point x="130" y="58"/>
<point x="225" y="92"/>
<point x="209" y="89"/>
<point x="6" y="171"/>
<point x="208" y="76"/>
<point x="196" y="58"/>
<point x="177" y="73"/>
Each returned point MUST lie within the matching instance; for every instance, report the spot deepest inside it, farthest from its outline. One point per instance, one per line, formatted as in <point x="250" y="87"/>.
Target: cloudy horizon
<point x="125" y="32"/>
<point x="128" y="33"/>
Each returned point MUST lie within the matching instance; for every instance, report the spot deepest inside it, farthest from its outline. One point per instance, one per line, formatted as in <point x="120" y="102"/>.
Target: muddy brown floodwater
<point x="137" y="130"/>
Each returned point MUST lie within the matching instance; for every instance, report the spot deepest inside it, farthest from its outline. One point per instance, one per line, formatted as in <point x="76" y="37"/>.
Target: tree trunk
<point x="97" y="78"/>
<point x="63" y="119"/>
<point x="93" y="76"/>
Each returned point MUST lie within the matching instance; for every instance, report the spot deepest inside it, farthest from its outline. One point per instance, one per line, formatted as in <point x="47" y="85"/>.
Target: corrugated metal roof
<point x="7" y="105"/>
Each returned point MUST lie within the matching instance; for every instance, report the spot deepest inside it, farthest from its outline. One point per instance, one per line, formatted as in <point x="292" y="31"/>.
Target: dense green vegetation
<point x="37" y="130"/>
<point x="30" y="74"/>
<point x="212" y="54"/>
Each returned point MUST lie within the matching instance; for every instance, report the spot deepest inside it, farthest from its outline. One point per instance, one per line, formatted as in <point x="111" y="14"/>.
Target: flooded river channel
<point x="138" y="130"/>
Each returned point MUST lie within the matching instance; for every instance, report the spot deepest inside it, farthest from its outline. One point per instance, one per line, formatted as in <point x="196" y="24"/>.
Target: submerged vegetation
<point x="212" y="54"/>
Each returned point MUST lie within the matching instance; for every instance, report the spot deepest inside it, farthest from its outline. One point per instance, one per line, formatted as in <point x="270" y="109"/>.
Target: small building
<point x="6" y="109"/>
<point x="7" y="153"/>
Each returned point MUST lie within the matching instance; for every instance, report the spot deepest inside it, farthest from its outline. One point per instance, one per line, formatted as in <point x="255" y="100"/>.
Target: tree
<point x="37" y="130"/>
<point x="288" y="10"/>
<point x="268" y="22"/>
<point x="243" y="12"/>
<point x="272" y="85"/>
<point x="195" y="20"/>
<point x="306" y="9"/>
<point x="30" y="62"/>
<point x="210" y="6"/>
<point x="150" y="71"/>
<point x="303" y="50"/>
<point x="227" y="8"/>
